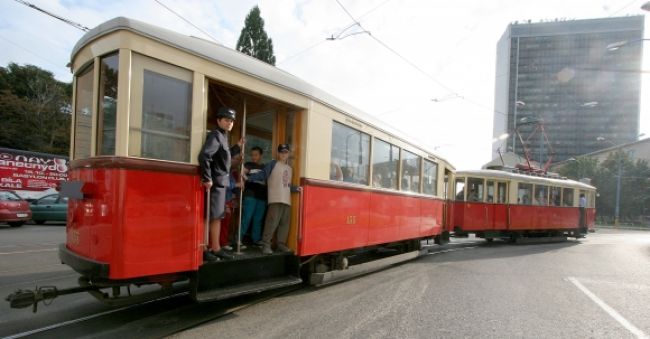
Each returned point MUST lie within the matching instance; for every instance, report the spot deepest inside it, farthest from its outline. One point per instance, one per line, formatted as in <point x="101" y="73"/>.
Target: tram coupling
<point x="25" y="298"/>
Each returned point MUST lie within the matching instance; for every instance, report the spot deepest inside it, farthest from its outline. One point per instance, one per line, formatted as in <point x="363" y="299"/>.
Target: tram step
<point x="247" y="288"/>
<point x="250" y="274"/>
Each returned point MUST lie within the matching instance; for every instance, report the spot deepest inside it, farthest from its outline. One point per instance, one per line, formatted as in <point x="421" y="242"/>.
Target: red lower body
<point x="339" y="217"/>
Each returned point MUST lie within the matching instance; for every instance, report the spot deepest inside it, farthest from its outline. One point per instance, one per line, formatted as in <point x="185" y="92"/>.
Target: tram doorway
<point x="268" y="122"/>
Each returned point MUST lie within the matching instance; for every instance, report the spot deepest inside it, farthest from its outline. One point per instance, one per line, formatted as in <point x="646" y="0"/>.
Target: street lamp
<point x="618" y="183"/>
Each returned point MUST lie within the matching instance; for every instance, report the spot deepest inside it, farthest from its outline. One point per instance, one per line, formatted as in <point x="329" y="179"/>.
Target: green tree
<point x="35" y="110"/>
<point x="634" y="190"/>
<point x="253" y="40"/>
<point x="582" y="167"/>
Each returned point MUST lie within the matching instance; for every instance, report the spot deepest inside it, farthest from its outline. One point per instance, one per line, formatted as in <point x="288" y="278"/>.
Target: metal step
<point x="247" y="288"/>
<point x="251" y="272"/>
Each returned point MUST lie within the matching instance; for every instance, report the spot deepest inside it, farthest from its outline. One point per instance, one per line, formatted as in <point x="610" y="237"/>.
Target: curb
<point x="633" y="228"/>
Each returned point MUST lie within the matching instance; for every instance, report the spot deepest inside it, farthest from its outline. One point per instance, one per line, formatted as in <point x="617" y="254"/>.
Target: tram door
<point x="268" y="123"/>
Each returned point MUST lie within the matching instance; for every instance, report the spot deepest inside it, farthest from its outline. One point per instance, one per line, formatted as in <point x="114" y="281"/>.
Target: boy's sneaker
<point x="227" y="247"/>
<point x="284" y="248"/>
<point x="266" y="249"/>
<point x="258" y="243"/>
<point x="241" y="246"/>
<point x="209" y="256"/>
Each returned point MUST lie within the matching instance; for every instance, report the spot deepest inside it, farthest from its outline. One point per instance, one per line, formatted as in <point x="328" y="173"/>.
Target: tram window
<point x="475" y="192"/>
<point x="490" y="191"/>
<point x="410" y="172"/>
<point x="385" y="164"/>
<point x="83" y="112"/>
<point x="541" y="195"/>
<point x="160" y="124"/>
<point x="430" y="178"/>
<point x="351" y="153"/>
<point x="502" y="193"/>
<point x="460" y="189"/>
<point x="567" y="197"/>
<point x="524" y="192"/>
<point x="556" y="196"/>
<point x="107" y="104"/>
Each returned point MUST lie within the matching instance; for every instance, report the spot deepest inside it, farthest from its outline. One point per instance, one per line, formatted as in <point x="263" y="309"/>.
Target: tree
<point x="582" y="167"/>
<point x="35" y="110"/>
<point x="253" y="40"/>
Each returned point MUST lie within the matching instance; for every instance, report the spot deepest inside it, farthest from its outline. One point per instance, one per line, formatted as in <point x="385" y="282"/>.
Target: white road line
<point x="612" y="312"/>
<point x="30" y="251"/>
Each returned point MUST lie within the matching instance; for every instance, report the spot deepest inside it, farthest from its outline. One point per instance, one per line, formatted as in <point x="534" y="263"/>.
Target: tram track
<point x="168" y="315"/>
<point x="152" y="319"/>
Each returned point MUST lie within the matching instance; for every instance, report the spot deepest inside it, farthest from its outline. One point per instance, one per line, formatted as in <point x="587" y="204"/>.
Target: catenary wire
<point x="58" y="17"/>
<point x="187" y="21"/>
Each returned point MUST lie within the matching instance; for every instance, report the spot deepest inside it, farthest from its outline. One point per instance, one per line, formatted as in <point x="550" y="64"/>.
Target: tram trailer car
<point x="144" y="98"/>
<point x="500" y="204"/>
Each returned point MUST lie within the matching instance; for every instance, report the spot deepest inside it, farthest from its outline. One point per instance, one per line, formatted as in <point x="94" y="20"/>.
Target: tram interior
<point x="268" y="123"/>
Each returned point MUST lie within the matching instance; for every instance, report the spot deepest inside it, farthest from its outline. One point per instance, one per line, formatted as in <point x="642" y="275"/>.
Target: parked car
<point x="13" y="209"/>
<point x="51" y="207"/>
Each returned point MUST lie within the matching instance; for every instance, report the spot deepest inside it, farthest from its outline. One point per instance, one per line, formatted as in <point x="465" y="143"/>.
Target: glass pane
<point x="541" y="195"/>
<point x="490" y="191"/>
<point x="460" y="189"/>
<point x="49" y="200"/>
<point x="8" y="196"/>
<point x="430" y="178"/>
<point x="107" y="104"/>
<point x="410" y="172"/>
<point x="502" y="193"/>
<point x="351" y="153"/>
<point x="83" y="113"/>
<point x="385" y="164"/>
<point x="567" y="197"/>
<point x="166" y="114"/>
<point x="556" y="195"/>
<point x="475" y="189"/>
<point x="524" y="192"/>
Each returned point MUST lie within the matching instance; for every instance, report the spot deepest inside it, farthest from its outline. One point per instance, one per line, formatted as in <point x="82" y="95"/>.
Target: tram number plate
<point x="21" y="215"/>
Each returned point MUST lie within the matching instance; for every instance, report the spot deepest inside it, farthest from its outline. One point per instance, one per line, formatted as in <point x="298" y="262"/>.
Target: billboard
<point x="31" y="171"/>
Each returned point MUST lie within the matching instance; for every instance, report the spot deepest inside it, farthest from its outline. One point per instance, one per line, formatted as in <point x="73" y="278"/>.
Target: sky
<point x="426" y="68"/>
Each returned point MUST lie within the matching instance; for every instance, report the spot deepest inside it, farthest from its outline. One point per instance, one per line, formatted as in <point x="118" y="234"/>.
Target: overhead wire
<point x="354" y="23"/>
<point x="58" y="17"/>
<point x="187" y="21"/>
<point x="416" y="67"/>
<point x="30" y="52"/>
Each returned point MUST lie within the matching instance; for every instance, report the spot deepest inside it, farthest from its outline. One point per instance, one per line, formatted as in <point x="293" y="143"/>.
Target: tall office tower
<point x="582" y="78"/>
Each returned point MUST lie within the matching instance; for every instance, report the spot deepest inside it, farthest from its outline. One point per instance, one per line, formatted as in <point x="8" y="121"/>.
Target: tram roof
<point x="241" y="62"/>
<point x="523" y="177"/>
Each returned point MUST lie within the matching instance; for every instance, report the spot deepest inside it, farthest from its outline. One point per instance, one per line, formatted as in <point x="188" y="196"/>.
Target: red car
<point x="13" y="209"/>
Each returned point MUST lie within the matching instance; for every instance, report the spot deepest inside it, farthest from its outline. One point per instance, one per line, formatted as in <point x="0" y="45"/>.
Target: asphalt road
<point x="597" y="287"/>
<point x="28" y="258"/>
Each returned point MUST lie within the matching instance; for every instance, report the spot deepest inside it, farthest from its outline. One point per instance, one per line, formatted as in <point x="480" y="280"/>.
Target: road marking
<point x="30" y="251"/>
<point x="612" y="312"/>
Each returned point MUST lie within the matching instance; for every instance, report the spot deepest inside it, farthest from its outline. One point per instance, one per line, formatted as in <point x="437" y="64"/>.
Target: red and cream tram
<point x="144" y="98"/>
<point x="500" y="204"/>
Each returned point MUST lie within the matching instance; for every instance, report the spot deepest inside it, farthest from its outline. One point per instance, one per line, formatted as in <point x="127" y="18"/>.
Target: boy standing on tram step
<point x="214" y="161"/>
<point x="254" y="202"/>
<point x="277" y="174"/>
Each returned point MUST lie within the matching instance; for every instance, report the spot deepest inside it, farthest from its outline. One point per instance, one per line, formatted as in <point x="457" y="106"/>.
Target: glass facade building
<point x="571" y="76"/>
